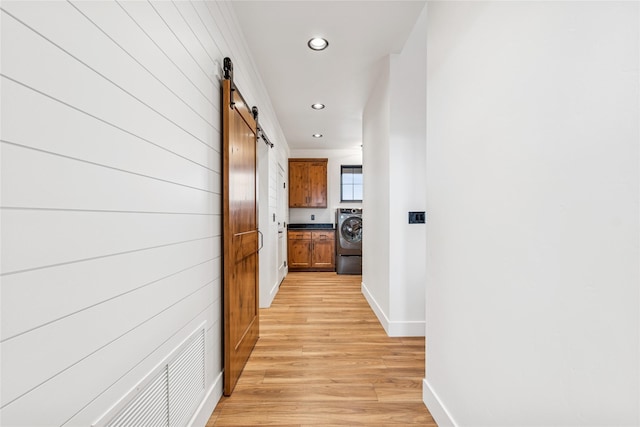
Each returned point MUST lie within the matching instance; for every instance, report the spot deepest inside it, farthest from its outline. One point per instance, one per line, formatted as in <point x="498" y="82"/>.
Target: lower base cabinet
<point x="311" y="250"/>
<point x="299" y="250"/>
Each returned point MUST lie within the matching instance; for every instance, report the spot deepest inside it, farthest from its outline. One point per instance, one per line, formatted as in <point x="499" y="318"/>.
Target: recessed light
<point x="318" y="43"/>
<point x="317" y="135"/>
<point x="317" y="106"/>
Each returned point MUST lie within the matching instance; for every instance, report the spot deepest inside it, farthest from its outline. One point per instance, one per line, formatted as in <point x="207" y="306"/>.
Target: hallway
<point x="324" y="359"/>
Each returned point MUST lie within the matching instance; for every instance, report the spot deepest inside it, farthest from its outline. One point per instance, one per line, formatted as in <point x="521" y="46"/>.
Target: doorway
<point x="282" y="223"/>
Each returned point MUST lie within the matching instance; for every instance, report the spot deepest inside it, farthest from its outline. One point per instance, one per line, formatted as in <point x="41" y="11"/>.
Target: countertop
<point x="311" y="226"/>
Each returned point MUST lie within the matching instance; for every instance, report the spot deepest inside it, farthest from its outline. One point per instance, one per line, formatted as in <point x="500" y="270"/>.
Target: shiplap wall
<point x="110" y="203"/>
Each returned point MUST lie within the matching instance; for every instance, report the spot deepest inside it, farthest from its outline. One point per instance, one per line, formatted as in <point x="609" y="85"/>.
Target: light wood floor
<point x="324" y="359"/>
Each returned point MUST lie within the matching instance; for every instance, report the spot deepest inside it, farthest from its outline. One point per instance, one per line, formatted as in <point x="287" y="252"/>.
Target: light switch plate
<point x="418" y="217"/>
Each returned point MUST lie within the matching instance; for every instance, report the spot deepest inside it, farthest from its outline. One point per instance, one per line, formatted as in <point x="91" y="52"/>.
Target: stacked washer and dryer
<point x="349" y="241"/>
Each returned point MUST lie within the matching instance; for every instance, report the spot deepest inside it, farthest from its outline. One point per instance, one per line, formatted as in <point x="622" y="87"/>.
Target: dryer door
<point x="350" y="236"/>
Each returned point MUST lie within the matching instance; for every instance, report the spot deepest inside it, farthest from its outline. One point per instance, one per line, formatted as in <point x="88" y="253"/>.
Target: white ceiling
<point x="360" y="34"/>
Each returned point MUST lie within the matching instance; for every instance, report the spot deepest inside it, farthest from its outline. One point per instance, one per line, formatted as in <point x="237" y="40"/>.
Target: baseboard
<point x="274" y="291"/>
<point x="272" y="294"/>
<point x="377" y="310"/>
<point x="406" y="329"/>
<point x="393" y="328"/>
<point x="435" y="406"/>
<point x="208" y="405"/>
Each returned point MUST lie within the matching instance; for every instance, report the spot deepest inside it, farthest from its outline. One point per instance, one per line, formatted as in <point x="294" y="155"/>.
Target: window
<point x="351" y="183"/>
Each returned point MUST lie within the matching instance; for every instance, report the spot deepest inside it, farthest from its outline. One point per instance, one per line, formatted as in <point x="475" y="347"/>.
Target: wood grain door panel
<point x="318" y="184"/>
<point x="298" y="184"/>
<point x="240" y="235"/>
<point x="299" y="253"/>
<point x="323" y="250"/>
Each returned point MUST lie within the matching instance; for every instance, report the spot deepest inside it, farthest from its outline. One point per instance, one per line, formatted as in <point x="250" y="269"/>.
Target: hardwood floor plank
<point x="312" y="413"/>
<point x="306" y="392"/>
<point x="324" y="359"/>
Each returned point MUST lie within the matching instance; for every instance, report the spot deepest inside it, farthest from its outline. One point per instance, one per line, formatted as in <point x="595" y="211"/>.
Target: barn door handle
<point x="261" y="240"/>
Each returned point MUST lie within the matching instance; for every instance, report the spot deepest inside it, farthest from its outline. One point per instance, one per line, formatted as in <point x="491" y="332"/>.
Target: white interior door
<point x="282" y="223"/>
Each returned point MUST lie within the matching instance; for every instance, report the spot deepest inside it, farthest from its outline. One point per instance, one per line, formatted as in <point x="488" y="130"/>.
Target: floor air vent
<point x="168" y="397"/>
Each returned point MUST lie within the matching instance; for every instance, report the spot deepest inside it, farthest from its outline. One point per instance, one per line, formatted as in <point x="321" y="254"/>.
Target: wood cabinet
<point x="323" y="250"/>
<point x="311" y="250"/>
<point x="299" y="249"/>
<point x="307" y="183"/>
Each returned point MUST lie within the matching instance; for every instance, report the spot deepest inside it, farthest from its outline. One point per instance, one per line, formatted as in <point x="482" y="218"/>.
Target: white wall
<point x="407" y="153"/>
<point x="111" y="205"/>
<point x="533" y="203"/>
<point x="335" y="158"/>
<point x="394" y="174"/>
<point x="376" y="197"/>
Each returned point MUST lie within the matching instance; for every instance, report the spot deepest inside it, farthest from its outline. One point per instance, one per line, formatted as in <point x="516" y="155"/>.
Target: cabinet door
<point x="299" y="247"/>
<point x="298" y="184"/>
<point x="318" y="184"/>
<point x="323" y="250"/>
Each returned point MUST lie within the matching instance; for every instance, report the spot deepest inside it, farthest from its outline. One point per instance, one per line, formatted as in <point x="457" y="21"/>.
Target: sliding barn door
<point x="240" y="234"/>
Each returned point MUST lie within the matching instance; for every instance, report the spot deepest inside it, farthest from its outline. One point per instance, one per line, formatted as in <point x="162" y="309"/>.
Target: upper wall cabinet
<point x="307" y="183"/>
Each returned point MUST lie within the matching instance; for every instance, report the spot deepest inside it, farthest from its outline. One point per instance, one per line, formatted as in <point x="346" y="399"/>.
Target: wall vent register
<point x="169" y="395"/>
